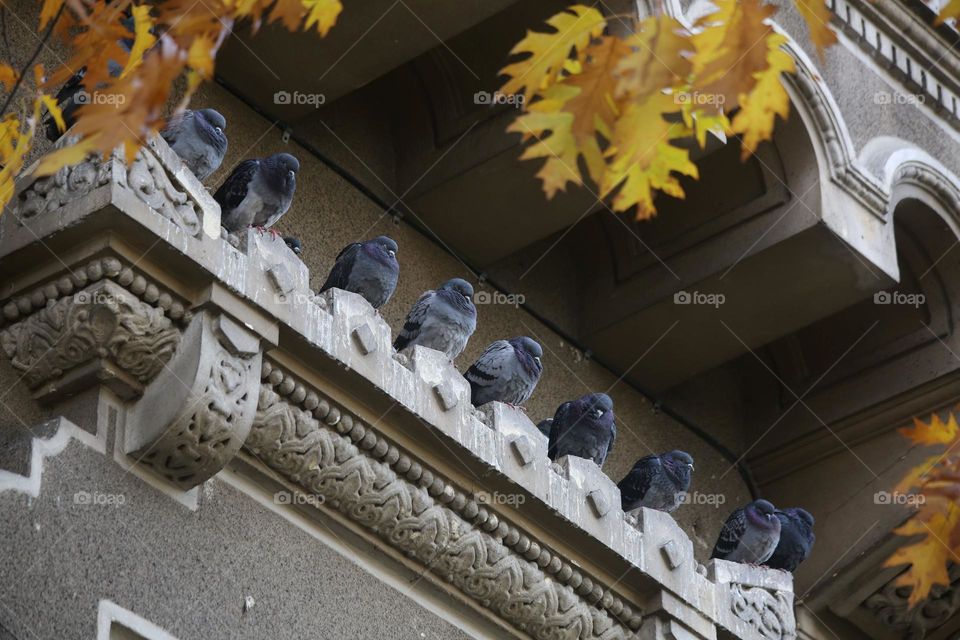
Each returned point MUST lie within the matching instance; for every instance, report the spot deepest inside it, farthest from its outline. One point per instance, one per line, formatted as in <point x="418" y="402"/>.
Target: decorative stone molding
<point x="759" y="602"/>
<point x="102" y="325"/>
<point x="149" y="180"/>
<point x="53" y="192"/>
<point x="889" y="605"/>
<point x="195" y="415"/>
<point x="577" y="568"/>
<point x="331" y="453"/>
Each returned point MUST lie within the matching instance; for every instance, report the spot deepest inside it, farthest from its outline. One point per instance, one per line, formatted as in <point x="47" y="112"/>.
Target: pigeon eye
<point x="391" y="253"/>
<point x="219" y="130"/>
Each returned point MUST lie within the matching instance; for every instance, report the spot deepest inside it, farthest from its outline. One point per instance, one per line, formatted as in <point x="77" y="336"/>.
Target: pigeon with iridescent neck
<point x="750" y="534"/>
<point x="257" y="192"/>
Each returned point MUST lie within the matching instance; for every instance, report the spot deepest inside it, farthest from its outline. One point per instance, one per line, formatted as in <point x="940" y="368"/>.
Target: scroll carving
<point x="331" y="454"/>
<point x="102" y="321"/>
<point x="769" y="613"/>
<point x="148" y="179"/>
<point x="69" y="183"/>
<point x="890" y="605"/>
<point x="194" y="417"/>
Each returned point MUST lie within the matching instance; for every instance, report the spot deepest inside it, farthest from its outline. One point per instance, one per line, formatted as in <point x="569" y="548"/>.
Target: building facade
<point x="195" y="445"/>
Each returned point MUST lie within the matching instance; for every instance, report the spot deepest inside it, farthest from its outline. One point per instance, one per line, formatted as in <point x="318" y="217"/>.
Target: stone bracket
<point x="195" y="415"/>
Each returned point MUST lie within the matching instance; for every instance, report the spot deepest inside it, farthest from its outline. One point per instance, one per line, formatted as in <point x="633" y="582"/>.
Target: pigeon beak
<point x="691" y="467"/>
<point x="537" y="359"/>
<point x="598" y="412"/>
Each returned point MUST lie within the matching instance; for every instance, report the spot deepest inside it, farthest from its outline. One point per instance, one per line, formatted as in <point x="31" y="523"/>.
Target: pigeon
<point x="293" y="244"/>
<point x="369" y="268"/>
<point x="796" y="539"/>
<point x="443" y="319"/>
<point x="657" y="482"/>
<point x="198" y="138"/>
<point x="257" y="192"/>
<point x="750" y="534"/>
<point x="583" y="428"/>
<point x="544" y="426"/>
<point x="507" y="371"/>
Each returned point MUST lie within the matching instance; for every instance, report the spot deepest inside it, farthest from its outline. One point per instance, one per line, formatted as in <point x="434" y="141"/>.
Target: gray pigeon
<point x="369" y="268"/>
<point x="584" y="428"/>
<point x="198" y="138"/>
<point x="507" y="371"/>
<point x="443" y="319"/>
<point x="294" y="244"/>
<point x="796" y="539"/>
<point x="750" y="535"/>
<point x="657" y="482"/>
<point x="257" y="192"/>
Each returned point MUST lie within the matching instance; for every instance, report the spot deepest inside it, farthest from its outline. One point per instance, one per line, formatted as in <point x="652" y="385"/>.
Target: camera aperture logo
<point x="99" y="499"/>
<point x="297" y="498"/>
<point x="497" y="297"/>
<point x="915" y="300"/>
<point x="509" y="499"/>
<point x="699" y="298"/>
<point x="487" y="98"/>
<point x="315" y="100"/>
<point x="899" y="499"/>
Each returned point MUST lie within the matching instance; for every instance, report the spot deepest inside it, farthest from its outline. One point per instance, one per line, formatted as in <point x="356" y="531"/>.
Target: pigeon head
<point x="597" y="409"/>
<point x="529" y="353"/>
<point x="679" y="465"/>
<point x="281" y="170"/>
<point x="294" y="244"/>
<point x="211" y="125"/>
<point x="383" y="249"/>
<point x="459" y="285"/>
<point x="214" y="118"/>
<point x="800" y="515"/>
<point x="763" y="515"/>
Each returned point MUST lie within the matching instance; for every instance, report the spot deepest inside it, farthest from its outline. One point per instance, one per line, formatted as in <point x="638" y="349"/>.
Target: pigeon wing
<point x="730" y="535"/>
<point x="561" y="419"/>
<point x="488" y="367"/>
<point x="340" y="272"/>
<point x="175" y="127"/>
<point x="636" y="484"/>
<point x="411" y="328"/>
<point x="234" y="189"/>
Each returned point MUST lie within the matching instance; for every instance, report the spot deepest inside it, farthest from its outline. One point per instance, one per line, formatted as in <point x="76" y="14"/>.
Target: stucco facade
<point x="337" y="492"/>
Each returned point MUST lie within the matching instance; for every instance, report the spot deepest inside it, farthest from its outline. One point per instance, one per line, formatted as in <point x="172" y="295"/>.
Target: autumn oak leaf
<point x="817" y="16"/>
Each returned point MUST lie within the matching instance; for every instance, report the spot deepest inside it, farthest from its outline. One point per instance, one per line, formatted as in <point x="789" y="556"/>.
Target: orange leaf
<point x="49" y="9"/>
<point x="935" y="432"/>
<point x="8" y="76"/>
<point x="817" y="16"/>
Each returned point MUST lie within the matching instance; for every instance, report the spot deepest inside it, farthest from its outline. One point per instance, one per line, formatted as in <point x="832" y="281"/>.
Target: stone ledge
<point x="227" y="305"/>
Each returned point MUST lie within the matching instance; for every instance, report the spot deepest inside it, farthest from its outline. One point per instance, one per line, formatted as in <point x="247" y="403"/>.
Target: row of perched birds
<point x="259" y="191"/>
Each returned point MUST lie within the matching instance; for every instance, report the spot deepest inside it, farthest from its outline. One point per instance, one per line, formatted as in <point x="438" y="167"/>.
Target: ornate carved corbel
<point x="754" y="602"/>
<point x="64" y="337"/>
<point x="196" y="414"/>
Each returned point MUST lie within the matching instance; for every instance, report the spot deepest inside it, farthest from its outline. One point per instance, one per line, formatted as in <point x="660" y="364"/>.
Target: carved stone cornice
<point x="568" y="565"/>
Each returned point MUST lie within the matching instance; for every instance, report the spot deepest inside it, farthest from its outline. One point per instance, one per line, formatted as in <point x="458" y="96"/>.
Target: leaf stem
<point x="36" y="52"/>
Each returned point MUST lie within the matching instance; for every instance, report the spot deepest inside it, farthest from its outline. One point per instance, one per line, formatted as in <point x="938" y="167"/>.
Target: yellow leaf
<point x="289" y="12"/>
<point x="593" y="108"/>
<point x="560" y="147"/>
<point x="728" y="53"/>
<point x="49" y="9"/>
<point x="200" y="56"/>
<point x="817" y="16"/>
<point x="143" y="40"/>
<point x="65" y="157"/>
<point x="8" y="76"/>
<point x="659" y="60"/>
<point x="768" y="99"/>
<point x="915" y="476"/>
<point x="950" y="12"/>
<point x="642" y="158"/>
<point x="573" y="28"/>
<point x="935" y="432"/>
<point x="51" y="104"/>
<point x="322" y="13"/>
<point x="927" y="558"/>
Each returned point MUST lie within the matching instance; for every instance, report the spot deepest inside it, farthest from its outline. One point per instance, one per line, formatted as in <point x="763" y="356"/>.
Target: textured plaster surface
<point x="188" y="572"/>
